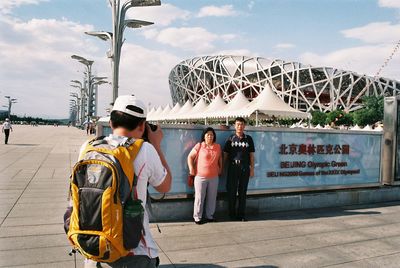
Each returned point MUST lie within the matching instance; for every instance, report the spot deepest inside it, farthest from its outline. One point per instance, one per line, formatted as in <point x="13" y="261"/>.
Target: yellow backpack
<point x="107" y="217"/>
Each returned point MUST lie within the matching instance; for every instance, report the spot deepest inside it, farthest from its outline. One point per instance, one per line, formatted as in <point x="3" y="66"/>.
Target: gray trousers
<point x="204" y="190"/>
<point x="138" y="261"/>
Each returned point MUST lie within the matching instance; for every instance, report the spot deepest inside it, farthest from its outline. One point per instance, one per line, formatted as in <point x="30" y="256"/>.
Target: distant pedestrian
<point x="205" y="162"/>
<point x="239" y="156"/>
<point x="6" y="129"/>
<point x="88" y="128"/>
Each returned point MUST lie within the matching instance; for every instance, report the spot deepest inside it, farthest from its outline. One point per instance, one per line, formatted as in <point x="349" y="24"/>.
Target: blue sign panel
<point x="286" y="159"/>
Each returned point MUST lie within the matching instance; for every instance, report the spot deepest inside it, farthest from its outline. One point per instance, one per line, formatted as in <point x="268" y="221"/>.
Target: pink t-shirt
<point x="207" y="159"/>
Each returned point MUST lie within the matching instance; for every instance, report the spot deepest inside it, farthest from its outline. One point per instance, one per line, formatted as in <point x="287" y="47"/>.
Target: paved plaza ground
<point x="34" y="171"/>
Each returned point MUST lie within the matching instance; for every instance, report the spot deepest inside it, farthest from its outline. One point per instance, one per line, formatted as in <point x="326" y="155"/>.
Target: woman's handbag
<point x="190" y="179"/>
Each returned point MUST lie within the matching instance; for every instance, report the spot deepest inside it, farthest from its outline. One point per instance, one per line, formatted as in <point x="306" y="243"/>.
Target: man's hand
<point x="251" y="172"/>
<point x="155" y="137"/>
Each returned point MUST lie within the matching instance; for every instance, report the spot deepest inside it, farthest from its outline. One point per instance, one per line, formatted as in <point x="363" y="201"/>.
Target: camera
<point x="145" y="136"/>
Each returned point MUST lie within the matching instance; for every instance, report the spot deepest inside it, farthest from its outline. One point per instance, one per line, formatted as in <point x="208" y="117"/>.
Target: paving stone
<point x="387" y="261"/>
<point x="208" y="255"/>
<point x="321" y="257"/>
<point x="202" y="241"/>
<point x="34" y="175"/>
<point x="33" y="220"/>
<point x="33" y="241"/>
<point x="31" y="230"/>
<point x="34" y="256"/>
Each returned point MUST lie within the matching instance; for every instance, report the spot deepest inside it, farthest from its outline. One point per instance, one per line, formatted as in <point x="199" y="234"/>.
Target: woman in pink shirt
<point x="205" y="162"/>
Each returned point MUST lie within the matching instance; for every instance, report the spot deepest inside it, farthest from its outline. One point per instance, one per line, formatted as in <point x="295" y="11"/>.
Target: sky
<point x="38" y="37"/>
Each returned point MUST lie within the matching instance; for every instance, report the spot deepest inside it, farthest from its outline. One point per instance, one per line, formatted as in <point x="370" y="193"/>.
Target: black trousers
<point x="237" y="182"/>
<point x="7" y="134"/>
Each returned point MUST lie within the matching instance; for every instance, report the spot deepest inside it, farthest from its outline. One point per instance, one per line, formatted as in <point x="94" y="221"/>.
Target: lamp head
<point x="145" y="3"/>
<point x="103" y="35"/>
<point x="137" y="23"/>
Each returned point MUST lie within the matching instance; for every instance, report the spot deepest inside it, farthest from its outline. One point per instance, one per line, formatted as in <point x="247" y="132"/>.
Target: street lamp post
<point x="97" y="81"/>
<point x="116" y="37"/>
<point x="73" y="109"/>
<point x="89" y="95"/>
<point x="88" y="64"/>
<point x="82" y="99"/>
<point x="10" y="102"/>
<point x="78" y="106"/>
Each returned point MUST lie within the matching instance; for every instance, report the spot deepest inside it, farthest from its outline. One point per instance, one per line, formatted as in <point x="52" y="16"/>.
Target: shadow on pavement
<point x="207" y="265"/>
<point x="315" y="213"/>
<point x="17" y="144"/>
<point x="324" y="212"/>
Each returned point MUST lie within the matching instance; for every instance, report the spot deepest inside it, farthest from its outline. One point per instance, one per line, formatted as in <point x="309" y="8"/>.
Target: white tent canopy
<point x="150" y="113"/>
<point x="269" y="104"/>
<point x="165" y="111"/>
<point x="232" y="108"/>
<point x="183" y="113"/>
<point x="218" y="104"/>
<point x="160" y="113"/>
<point x="266" y="104"/>
<point x="175" y="109"/>
<point x="197" y="110"/>
<point x="156" y="114"/>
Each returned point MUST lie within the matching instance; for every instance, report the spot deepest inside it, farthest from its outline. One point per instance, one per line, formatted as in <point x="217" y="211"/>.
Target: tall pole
<point x="10" y="102"/>
<point x="116" y="37"/>
<point x="88" y="83"/>
<point x="115" y="64"/>
<point x="90" y="90"/>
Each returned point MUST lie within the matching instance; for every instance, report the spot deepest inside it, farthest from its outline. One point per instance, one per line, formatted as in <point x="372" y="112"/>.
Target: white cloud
<point x="162" y="15"/>
<point x="144" y="72"/>
<point x="284" y="46"/>
<point x="363" y="60"/>
<point x="250" y="5"/>
<point x="7" y="5"/>
<point x="37" y="55"/>
<point x="193" y="39"/>
<point x="228" y="37"/>
<point x="234" y="52"/>
<point x="222" y="11"/>
<point x="375" y="33"/>
<point x="389" y="3"/>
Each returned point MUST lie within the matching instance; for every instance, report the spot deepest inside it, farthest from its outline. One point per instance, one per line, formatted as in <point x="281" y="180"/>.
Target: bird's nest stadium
<point x="303" y="87"/>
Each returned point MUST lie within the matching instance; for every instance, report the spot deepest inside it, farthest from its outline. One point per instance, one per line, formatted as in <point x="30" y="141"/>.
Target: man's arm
<point x="155" y="138"/>
<point x="226" y="157"/>
<point x="220" y="165"/>
<point x="165" y="186"/>
<point x="190" y="160"/>
<point x="251" y="165"/>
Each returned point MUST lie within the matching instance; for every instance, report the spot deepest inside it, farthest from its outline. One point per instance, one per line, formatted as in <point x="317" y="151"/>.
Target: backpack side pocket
<point x="133" y="223"/>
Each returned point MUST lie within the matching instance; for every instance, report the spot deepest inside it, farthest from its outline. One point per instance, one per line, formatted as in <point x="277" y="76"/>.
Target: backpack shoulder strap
<point x="126" y="156"/>
<point x="88" y="147"/>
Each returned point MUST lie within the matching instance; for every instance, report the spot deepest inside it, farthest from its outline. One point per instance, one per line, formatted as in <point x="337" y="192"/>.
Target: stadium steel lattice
<point x="304" y="87"/>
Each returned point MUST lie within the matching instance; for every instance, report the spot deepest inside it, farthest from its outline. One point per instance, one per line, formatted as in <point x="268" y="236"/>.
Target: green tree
<point x="339" y="117"/>
<point x="372" y="111"/>
<point x="318" y="117"/>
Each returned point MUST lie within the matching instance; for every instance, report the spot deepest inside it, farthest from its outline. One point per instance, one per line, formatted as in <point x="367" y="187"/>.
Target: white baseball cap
<point x="129" y="104"/>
